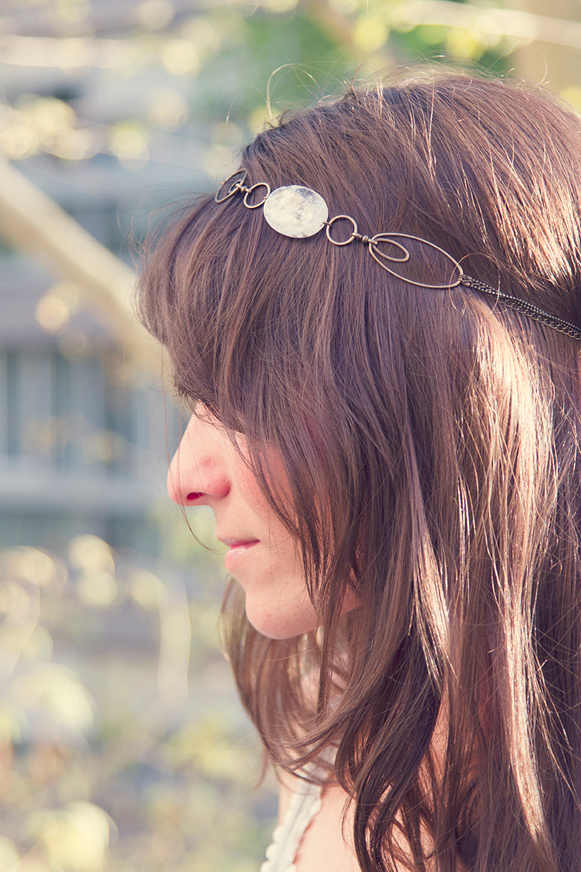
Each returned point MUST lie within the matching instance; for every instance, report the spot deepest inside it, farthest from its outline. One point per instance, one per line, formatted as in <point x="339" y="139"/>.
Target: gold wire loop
<point x="380" y="258"/>
<point x="387" y="238"/>
<point x="248" y="192"/>
<point x="354" y="232"/>
<point x="233" y="184"/>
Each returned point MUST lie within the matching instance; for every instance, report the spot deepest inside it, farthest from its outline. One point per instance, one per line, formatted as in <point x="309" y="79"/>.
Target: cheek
<point x="277" y="601"/>
<point x="248" y="489"/>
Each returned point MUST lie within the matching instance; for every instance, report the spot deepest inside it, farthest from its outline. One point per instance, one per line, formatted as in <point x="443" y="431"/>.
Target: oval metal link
<point x="237" y="179"/>
<point x="376" y="240"/>
<point x="381" y="258"/>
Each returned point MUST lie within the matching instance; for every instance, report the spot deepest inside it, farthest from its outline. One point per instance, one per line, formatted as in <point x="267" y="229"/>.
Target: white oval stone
<point x="296" y="211"/>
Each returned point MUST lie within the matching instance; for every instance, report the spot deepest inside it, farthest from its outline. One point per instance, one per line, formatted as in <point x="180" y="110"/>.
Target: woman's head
<point x="420" y="446"/>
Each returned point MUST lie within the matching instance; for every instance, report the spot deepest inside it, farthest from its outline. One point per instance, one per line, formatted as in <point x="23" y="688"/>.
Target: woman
<point x="384" y="376"/>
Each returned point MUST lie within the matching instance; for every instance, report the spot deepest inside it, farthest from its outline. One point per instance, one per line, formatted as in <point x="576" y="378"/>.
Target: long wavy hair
<point x="431" y="443"/>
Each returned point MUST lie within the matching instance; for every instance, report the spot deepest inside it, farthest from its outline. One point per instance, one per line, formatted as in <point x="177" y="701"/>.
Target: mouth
<point x="237" y="548"/>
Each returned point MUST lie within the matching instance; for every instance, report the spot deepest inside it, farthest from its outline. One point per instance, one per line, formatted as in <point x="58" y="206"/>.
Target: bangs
<point x="257" y="327"/>
<point x="243" y="312"/>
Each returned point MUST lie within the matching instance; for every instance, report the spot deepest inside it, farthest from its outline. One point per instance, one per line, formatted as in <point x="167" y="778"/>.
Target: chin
<point x="278" y="624"/>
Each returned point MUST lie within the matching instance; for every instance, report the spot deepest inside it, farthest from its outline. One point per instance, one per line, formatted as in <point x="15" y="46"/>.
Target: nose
<point x="199" y="472"/>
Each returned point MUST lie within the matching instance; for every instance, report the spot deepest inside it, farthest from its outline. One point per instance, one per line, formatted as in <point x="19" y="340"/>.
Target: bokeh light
<point x="90" y="554"/>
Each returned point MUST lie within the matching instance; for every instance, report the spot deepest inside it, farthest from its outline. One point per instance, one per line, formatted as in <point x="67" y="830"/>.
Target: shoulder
<point x="327" y="844"/>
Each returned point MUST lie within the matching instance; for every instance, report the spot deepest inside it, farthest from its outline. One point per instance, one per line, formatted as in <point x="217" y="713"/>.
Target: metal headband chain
<point x="300" y="212"/>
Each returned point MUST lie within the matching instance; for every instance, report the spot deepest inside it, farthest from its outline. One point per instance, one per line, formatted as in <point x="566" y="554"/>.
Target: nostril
<point x="193" y="496"/>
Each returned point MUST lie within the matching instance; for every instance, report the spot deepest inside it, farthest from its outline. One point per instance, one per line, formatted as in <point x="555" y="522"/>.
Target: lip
<point x="237" y="549"/>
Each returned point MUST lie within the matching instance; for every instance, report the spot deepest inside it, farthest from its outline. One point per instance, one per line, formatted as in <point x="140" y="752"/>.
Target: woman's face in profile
<point x="208" y="469"/>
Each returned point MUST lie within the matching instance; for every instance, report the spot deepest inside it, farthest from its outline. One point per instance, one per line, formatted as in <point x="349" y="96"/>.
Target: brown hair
<point x="431" y="443"/>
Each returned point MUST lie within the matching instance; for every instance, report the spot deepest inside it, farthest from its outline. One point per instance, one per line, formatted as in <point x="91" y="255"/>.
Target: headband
<point x="300" y="212"/>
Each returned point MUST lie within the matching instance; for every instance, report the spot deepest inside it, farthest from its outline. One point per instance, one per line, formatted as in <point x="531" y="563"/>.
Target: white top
<point x="286" y="839"/>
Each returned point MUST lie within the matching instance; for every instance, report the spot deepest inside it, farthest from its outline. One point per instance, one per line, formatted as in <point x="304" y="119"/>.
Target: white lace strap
<point x="304" y="805"/>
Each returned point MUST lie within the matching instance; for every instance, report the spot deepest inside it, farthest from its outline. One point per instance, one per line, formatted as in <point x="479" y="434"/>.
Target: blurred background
<point x="122" y="745"/>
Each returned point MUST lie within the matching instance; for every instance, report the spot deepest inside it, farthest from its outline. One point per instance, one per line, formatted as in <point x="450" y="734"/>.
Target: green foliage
<point x="234" y="80"/>
<point x="138" y="758"/>
<point x="282" y="54"/>
<point x="235" y="64"/>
